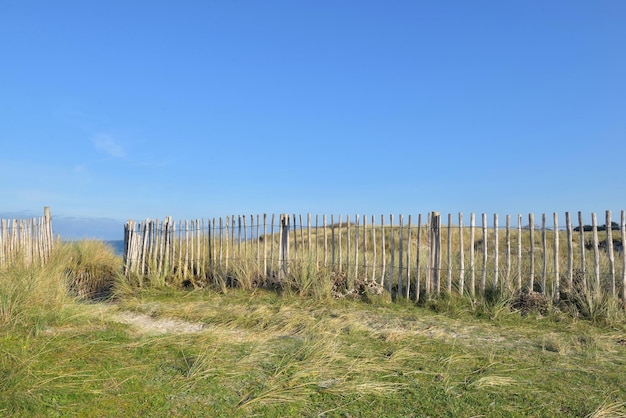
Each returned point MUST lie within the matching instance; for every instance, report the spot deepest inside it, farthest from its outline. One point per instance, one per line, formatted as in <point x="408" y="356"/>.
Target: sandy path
<point x="146" y="324"/>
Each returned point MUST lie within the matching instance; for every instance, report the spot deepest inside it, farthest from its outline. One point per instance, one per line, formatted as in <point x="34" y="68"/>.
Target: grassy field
<point x="231" y="352"/>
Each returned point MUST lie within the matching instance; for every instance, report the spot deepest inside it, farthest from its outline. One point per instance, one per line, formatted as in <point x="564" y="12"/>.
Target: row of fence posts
<point x="161" y="248"/>
<point x="433" y="227"/>
<point x="26" y="241"/>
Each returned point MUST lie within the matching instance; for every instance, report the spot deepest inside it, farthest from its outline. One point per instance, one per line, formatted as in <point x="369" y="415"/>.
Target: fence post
<point x="49" y="239"/>
<point x="570" y="251"/>
<point x="461" y="257"/>
<point x="417" y="261"/>
<point x="623" y="234"/>
<point x="483" y="276"/>
<point x="596" y="254"/>
<point x="449" y="254"/>
<point x="471" y="256"/>
<point x="557" y="278"/>
<point x="393" y="254"/>
<point x="382" y="249"/>
<point x="284" y="244"/>
<point x="496" y="263"/>
<point x="436" y="250"/>
<point x="609" y="248"/>
<point x="531" y="278"/>
<point x="400" y="255"/>
<point x="508" y="252"/>
<point x="581" y="230"/>
<point x="544" y="246"/>
<point x="408" y="260"/>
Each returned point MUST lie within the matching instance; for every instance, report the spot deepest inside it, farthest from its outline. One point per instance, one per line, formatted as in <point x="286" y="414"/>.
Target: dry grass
<point x="608" y="409"/>
<point x="92" y="269"/>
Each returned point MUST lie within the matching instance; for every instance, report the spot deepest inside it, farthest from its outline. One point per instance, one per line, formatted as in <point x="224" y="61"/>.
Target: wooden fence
<point x="26" y="241"/>
<point x="405" y="257"/>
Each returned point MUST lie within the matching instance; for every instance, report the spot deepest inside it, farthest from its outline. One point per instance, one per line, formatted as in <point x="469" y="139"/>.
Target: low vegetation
<point x="79" y="339"/>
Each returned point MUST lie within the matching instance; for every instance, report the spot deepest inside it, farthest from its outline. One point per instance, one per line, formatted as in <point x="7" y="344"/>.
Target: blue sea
<point x="118" y="246"/>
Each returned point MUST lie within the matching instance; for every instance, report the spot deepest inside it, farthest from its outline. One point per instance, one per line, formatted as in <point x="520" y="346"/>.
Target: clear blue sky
<point x="115" y="110"/>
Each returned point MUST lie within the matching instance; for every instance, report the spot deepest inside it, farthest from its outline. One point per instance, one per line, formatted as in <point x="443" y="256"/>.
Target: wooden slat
<point x="496" y="266"/>
<point x="583" y="272"/>
<point x="461" y="257"/>
<point x="400" y="254"/>
<point x="609" y="249"/>
<point x="557" y="275"/>
<point x="483" y="276"/>
<point x="418" y="271"/>
<point x="531" y="274"/>
<point x="471" y="256"/>
<point x="449" y="254"/>
<point x="596" y="254"/>
<point x="544" y="246"/>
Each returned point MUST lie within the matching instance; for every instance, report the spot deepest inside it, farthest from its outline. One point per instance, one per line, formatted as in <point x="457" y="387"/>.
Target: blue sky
<point x="115" y="110"/>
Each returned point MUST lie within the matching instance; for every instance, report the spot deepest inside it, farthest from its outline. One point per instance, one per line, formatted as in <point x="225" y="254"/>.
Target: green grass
<point x="266" y="353"/>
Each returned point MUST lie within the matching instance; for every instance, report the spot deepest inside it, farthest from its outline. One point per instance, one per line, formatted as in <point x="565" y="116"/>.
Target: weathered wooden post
<point x="544" y="247"/>
<point x="48" y="237"/>
<point x="400" y="256"/>
<point x="508" y="252"/>
<point x="265" y="245"/>
<point x="393" y="251"/>
<point x="623" y="234"/>
<point x="496" y="265"/>
<point x="284" y="244"/>
<point x="351" y="280"/>
<point x="531" y="278"/>
<point x="382" y="249"/>
<point x="417" y="262"/>
<point x="582" y="249"/>
<point x="408" y="260"/>
<point x="325" y="241"/>
<point x="471" y="256"/>
<point x="449" y="254"/>
<point x="596" y="253"/>
<point x="609" y="248"/>
<point x="436" y="251"/>
<point x="519" y="252"/>
<point x="557" y="278"/>
<point x="570" y="251"/>
<point x="461" y="257"/>
<point x="429" y="259"/>
<point x="374" y="249"/>
<point x="483" y="276"/>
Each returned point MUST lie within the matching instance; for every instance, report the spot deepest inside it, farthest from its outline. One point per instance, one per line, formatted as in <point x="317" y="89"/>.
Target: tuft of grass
<point x="609" y="409"/>
<point x="492" y="382"/>
<point x="92" y="269"/>
<point x="34" y="297"/>
<point x="307" y="280"/>
<point x="587" y="301"/>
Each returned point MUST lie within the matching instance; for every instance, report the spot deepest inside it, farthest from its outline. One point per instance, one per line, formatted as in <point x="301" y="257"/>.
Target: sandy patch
<point x="145" y="324"/>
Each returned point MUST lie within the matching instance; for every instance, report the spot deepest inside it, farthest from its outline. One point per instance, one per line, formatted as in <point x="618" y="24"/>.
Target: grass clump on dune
<point x="33" y="296"/>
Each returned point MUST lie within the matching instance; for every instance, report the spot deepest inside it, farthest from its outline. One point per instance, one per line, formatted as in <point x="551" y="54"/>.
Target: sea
<point x="117" y="245"/>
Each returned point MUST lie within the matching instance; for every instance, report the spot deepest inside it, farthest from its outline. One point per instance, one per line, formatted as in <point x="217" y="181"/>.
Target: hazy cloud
<point x="106" y="144"/>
